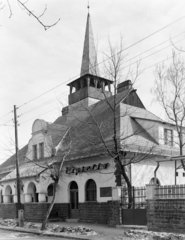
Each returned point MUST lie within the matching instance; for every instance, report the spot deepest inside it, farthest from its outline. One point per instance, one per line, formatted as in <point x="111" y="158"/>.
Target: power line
<point x="132" y="45"/>
<point x="64" y="94"/>
<point x="6" y="114"/>
<point x="102" y="62"/>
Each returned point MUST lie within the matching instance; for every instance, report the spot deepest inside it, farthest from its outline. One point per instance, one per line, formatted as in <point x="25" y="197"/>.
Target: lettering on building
<point x="94" y="167"/>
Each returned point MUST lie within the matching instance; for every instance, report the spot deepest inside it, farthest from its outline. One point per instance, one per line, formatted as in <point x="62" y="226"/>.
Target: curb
<point x="46" y="234"/>
<point x="133" y="227"/>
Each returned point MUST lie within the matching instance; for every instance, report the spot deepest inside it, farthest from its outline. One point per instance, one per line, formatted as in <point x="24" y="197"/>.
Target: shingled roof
<point x="86" y="134"/>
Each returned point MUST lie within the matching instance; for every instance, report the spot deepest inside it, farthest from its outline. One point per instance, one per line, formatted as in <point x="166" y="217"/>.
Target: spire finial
<point x="89" y="59"/>
<point x="88" y="6"/>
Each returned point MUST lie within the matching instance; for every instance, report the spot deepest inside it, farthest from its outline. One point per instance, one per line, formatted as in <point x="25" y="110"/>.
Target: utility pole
<point x="17" y="159"/>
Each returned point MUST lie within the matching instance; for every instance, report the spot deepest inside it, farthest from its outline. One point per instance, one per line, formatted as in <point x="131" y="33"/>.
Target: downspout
<point x="155" y="173"/>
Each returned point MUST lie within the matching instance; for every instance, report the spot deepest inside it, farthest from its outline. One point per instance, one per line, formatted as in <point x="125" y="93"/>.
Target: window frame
<point x="168" y="139"/>
<point x="90" y="191"/>
<point x="35" y="157"/>
<point x="41" y="150"/>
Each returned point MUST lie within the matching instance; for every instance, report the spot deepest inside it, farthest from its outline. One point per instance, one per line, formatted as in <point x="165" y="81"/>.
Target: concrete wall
<point x="143" y="172"/>
<point x="102" y="178"/>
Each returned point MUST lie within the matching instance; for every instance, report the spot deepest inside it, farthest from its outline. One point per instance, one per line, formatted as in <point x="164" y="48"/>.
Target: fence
<point x="170" y="192"/>
<point x="138" y="197"/>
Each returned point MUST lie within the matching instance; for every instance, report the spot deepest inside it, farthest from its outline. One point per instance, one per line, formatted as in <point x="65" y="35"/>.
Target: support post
<point x="17" y="160"/>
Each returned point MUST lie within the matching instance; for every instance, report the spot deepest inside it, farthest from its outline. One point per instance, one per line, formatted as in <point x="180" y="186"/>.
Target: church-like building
<point x="84" y="136"/>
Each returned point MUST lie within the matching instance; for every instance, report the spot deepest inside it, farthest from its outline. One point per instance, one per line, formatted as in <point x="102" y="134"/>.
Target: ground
<point x="8" y="235"/>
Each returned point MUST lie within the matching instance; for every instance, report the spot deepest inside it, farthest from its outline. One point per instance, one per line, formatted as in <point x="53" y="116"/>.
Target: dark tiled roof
<point x="89" y="126"/>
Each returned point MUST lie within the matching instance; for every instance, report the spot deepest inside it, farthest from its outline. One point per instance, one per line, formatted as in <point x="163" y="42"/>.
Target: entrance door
<point x="74" y="200"/>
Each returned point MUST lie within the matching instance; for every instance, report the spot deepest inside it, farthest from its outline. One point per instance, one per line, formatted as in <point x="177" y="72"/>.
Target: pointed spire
<point x="89" y="58"/>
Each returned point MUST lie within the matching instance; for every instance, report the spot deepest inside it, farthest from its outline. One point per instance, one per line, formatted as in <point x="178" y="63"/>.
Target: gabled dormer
<point x="39" y="146"/>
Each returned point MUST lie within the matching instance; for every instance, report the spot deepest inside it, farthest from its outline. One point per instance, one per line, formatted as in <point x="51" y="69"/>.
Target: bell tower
<point x="89" y="88"/>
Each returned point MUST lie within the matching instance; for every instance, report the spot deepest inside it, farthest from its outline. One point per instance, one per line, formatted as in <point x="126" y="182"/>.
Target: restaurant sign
<point x="83" y="169"/>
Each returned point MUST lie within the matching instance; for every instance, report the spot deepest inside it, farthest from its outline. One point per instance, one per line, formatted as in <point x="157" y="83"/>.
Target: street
<point x="6" y="235"/>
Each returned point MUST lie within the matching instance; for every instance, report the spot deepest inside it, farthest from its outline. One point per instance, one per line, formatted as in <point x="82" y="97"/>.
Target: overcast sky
<point x="34" y="61"/>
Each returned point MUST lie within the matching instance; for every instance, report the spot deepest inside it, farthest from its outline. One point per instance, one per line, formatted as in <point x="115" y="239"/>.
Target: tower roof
<point x="89" y="58"/>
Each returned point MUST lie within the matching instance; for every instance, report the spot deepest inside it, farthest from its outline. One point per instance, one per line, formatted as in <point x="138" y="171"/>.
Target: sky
<point x="36" y="65"/>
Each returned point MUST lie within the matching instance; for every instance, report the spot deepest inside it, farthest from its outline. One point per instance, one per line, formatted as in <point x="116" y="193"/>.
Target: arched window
<point x="90" y="190"/>
<point x="33" y="191"/>
<point x="50" y="190"/>
<point x="152" y="181"/>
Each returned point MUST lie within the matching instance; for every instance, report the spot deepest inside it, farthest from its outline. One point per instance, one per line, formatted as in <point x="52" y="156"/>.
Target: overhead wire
<point x="130" y="46"/>
<point x="64" y="94"/>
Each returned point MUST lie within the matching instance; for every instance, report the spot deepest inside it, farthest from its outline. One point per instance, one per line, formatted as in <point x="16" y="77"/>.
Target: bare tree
<point x="53" y="168"/>
<point x="24" y="6"/>
<point x="170" y="94"/>
<point x="102" y="124"/>
<point x="62" y="150"/>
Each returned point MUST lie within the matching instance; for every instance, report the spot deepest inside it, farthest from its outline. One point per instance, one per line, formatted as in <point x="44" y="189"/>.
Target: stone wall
<point x="92" y="212"/>
<point x="35" y="212"/>
<point x="8" y="210"/>
<point x="95" y="212"/>
<point x="114" y="213"/>
<point x="166" y="215"/>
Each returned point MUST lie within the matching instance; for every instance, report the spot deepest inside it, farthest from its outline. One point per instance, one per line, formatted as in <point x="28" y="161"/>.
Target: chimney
<point x="65" y="111"/>
<point x="124" y="86"/>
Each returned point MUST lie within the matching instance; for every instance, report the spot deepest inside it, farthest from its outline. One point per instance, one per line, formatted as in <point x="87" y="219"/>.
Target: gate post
<point x="151" y="191"/>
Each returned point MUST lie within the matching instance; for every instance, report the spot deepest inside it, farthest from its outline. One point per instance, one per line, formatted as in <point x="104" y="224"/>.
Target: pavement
<point x="102" y="231"/>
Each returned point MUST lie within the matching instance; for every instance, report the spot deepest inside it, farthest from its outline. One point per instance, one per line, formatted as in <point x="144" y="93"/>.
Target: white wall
<point x="105" y="178"/>
<point x="142" y="172"/>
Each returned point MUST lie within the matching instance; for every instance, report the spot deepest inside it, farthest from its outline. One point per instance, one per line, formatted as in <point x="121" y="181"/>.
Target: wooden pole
<point x="17" y="159"/>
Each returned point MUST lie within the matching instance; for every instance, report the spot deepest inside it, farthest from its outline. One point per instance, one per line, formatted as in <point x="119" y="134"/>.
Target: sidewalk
<point x="103" y="231"/>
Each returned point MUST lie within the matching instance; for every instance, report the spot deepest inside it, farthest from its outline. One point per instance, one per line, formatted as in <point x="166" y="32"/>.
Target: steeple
<point x="89" y="88"/>
<point x="89" y="58"/>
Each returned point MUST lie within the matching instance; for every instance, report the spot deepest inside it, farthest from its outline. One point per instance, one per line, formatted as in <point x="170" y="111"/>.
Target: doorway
<point x="74" y="200"/>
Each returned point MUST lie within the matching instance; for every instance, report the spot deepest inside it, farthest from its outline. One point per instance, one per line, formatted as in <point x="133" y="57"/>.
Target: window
<point x="34" y="152"/>
<point x="41" y="150"/>
<point x="168" y="137"/>
<point x="153" y="180"/>
<point x="50" y="190"/>
<point x="176" y="174"/>
<point x="90" y="190"/>
<point x="183" y="174"/>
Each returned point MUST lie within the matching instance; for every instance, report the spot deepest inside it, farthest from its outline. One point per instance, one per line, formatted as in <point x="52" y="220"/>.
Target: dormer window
<point x="168" y="137"/>
<point x="34" y="152"/>
<point x="41" y="150"/>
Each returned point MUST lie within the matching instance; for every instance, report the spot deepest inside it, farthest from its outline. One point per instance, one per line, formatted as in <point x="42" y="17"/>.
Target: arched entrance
<point x="73" y="200"/>
<point x="8" y="195"/>
<point x="32" y="191"/>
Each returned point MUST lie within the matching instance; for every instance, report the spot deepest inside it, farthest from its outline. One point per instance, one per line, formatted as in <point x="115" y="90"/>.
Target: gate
<point x="134" y="213"/>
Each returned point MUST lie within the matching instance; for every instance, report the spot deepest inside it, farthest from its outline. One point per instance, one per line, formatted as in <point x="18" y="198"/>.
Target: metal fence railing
<point x="138" y="197"/>
<point x="170" y="191"/>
